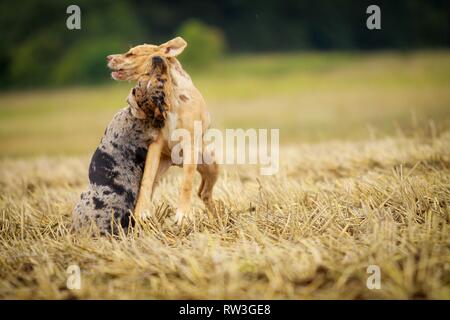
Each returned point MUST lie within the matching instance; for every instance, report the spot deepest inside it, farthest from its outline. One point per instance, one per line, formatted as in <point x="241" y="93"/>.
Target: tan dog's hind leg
<point x="148" y="178"/>
<point x="209" y="173"/>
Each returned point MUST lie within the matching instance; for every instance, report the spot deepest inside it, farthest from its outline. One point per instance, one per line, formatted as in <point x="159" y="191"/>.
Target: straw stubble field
<point x="372" y="188"/>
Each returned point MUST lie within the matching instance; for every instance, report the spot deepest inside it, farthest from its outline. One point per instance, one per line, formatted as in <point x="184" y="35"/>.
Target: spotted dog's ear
<point x="173" y="48"/>
<point x="135" y="110"/>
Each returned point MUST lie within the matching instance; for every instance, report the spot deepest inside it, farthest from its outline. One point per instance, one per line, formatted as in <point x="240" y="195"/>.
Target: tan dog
<point x="185" y="106"/>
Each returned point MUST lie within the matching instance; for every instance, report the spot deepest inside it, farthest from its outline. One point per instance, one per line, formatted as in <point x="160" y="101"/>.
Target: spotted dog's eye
<point x="129" y="54"/>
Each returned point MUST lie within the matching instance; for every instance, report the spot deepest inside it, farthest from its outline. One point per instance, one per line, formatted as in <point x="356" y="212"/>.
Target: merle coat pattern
<point x="115" y="173"/>
<point x="117" y="166"/>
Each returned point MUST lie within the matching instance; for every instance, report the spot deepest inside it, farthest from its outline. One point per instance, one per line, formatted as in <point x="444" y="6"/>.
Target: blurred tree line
<point x="37" y="49"/>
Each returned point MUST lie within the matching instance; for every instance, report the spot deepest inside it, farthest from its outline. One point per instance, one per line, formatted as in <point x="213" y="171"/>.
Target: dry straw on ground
<point x="310" y="232"/>
<point x="335" y="208"/>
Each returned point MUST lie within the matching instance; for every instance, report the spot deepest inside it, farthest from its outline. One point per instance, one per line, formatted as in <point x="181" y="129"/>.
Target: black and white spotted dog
<point x="116" y="168"/>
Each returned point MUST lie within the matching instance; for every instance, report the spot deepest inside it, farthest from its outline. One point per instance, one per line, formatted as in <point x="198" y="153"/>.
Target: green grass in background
<point x="308" y="96"/>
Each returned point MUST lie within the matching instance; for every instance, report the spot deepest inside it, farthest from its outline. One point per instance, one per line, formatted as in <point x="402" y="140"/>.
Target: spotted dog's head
<point x="149" y="98"/>
<point x="136" y="61"/>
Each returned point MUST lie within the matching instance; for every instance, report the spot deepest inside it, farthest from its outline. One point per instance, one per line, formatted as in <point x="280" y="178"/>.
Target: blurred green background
<point x="37" y="49"/>
<point x="310" y="68"/>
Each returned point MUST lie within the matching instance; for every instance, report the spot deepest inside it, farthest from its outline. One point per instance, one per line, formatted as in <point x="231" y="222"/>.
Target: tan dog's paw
<point x="145" y="215"/>
<point x="181" y="216"/>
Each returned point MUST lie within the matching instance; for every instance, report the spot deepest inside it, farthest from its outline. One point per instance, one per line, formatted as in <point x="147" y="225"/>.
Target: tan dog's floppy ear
<point x="173" y="47"/>
<point x="135" y="110"/>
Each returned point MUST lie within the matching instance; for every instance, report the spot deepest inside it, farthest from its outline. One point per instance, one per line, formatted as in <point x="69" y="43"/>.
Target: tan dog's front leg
<point x="148" y="178"/>
<point x="184" y="206"/>
<point x="189" y="168"/>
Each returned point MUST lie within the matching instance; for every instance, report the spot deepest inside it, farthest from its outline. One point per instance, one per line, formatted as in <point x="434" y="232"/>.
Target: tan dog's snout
<point x="113" y="59"/>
